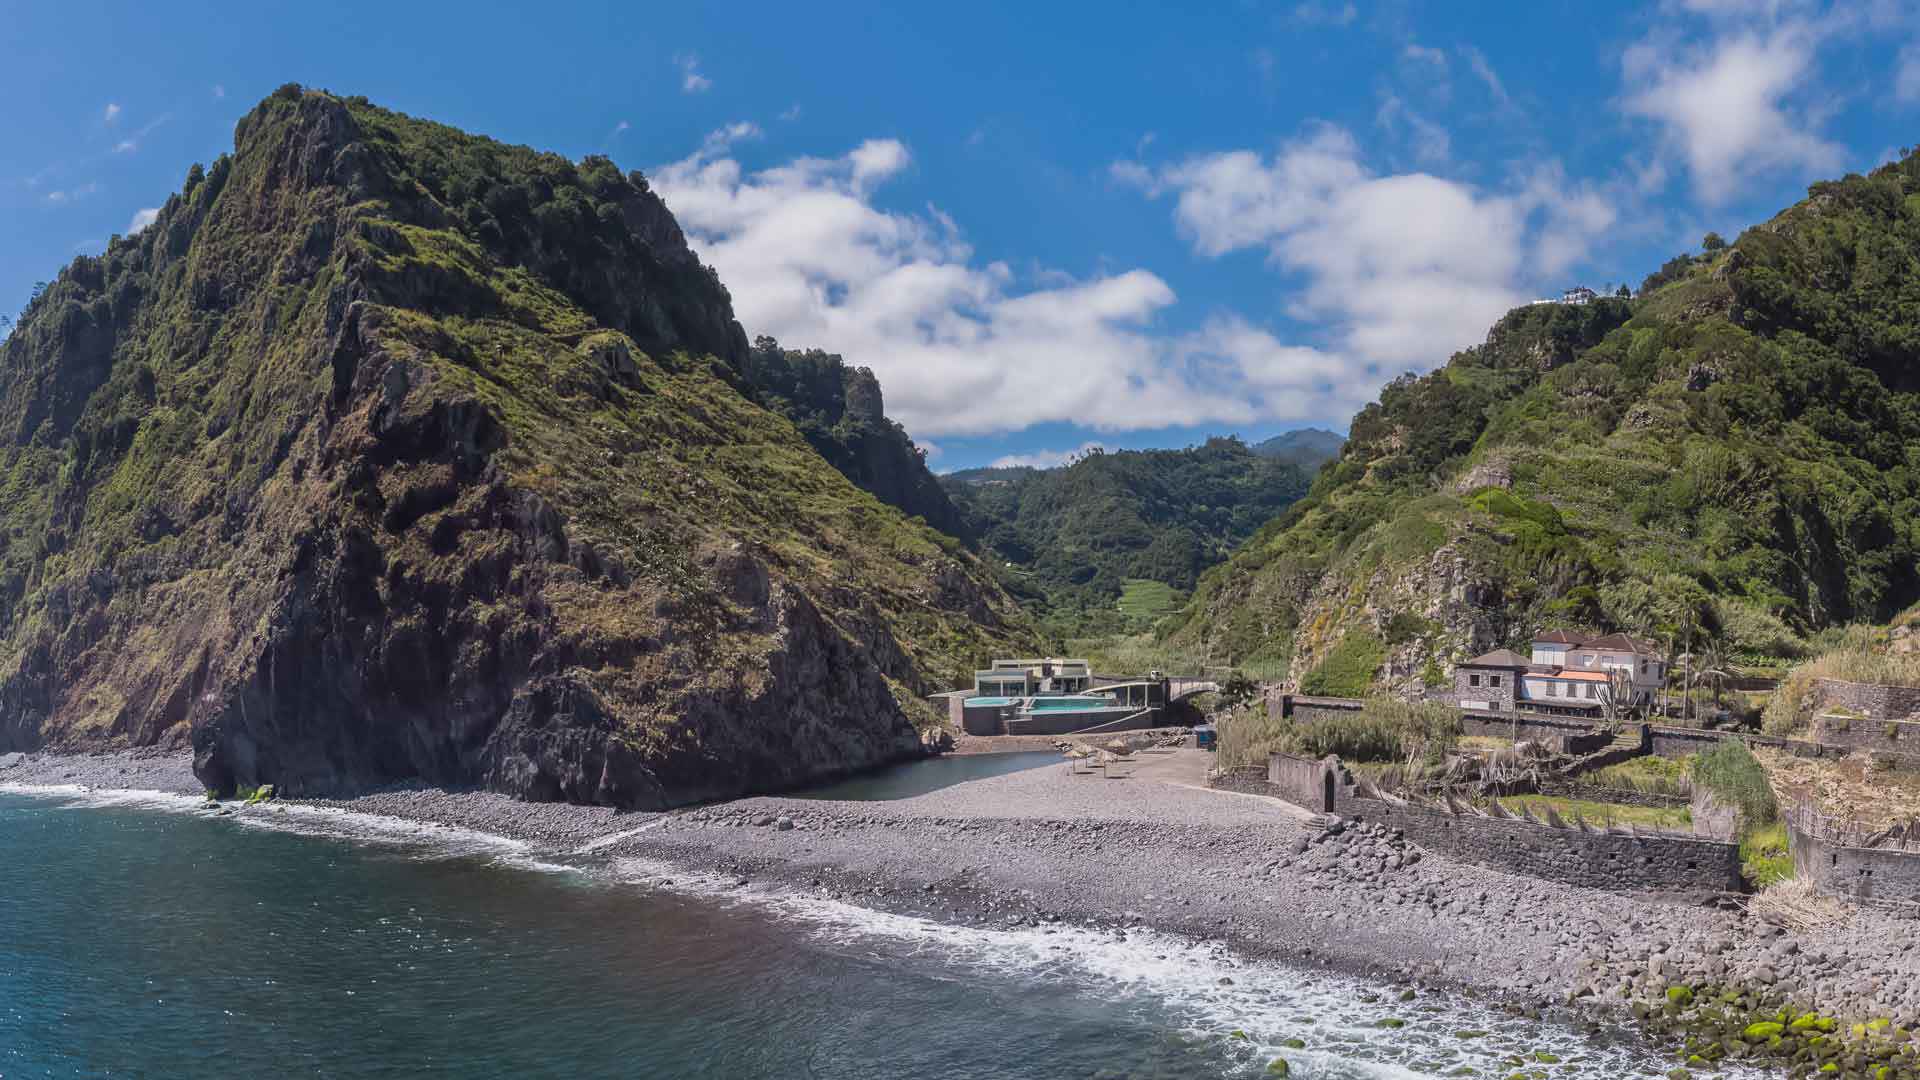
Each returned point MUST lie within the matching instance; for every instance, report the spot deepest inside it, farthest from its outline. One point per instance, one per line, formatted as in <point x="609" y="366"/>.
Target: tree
<point x="1624" y="293"/>
<point x="1618" y="697"/>
<point x="1715" y="667"/>
<point x="1712" y="242"/>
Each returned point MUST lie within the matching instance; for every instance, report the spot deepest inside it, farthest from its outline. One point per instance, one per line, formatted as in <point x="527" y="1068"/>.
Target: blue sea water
<point x="904" y="781"/>
<point x="141" y="939"/>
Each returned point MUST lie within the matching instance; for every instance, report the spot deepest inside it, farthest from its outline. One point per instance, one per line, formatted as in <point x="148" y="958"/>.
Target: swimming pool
<point x="1048" y="703"/>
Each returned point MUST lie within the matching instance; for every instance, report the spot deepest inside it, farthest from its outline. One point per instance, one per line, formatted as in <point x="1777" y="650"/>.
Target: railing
<point x="1849" y="832"/>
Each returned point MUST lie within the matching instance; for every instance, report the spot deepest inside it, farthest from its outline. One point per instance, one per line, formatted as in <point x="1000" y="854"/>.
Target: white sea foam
<point x="1165" y="979"/>
<point x="1162" y="978"/>
<point x="428" y="839"/>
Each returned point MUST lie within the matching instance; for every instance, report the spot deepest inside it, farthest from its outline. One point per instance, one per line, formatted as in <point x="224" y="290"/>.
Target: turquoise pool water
<point x="1076" y="703"/>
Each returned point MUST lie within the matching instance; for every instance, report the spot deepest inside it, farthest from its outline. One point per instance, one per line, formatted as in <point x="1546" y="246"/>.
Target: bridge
<point x="1180" y="689"/>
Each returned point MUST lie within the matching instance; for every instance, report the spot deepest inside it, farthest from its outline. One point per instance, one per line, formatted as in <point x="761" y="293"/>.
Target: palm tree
<point x="1716" y="667"/>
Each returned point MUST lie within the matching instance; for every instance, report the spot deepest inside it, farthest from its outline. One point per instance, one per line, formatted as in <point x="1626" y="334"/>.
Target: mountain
<point x="1729" y="455"/>
<point x="840" y="411"/>
<point x="390" y="453"/>
<point x="1080" y="532"/>
<point x="1308" y="448"/>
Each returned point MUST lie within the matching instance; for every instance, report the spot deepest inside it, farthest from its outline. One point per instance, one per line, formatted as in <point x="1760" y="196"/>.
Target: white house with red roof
<point x="1568" y="673"/>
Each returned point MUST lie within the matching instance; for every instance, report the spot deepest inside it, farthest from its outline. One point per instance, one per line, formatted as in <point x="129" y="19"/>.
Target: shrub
<point x="1386" y="729"/>
<point x="1791" y="706"/>
<point x="1348" y="668"/>
<point x="1734" y="776"/>
<point x="1764" y="857"/>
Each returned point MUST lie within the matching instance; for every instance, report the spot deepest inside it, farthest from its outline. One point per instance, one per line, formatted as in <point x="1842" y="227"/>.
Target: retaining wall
<point x="1900" y="738"/>
<point x="1886" y="878"/>
<point x="1566" y="736"/>
<point x="1613" y="861"/>
<point x="1316" y="785"/>
<point x="1869" y="699"/>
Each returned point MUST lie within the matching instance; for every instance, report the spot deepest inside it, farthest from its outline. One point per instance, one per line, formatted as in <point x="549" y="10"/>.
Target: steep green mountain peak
<point x="392" y="452"/>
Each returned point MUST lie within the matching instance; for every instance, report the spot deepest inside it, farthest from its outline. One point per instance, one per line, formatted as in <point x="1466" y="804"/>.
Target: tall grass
<point x="1790" y="709"/>
<point x="1731" y="773"/>
<point x="1385" y="730"/>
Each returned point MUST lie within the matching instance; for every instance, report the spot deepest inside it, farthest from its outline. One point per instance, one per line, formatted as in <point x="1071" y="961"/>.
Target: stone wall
<point x="1609" y="860"/>
<point x="1617" y="861"/>
<point x="1868" y="699"/>
<point x="1899" y="738"/>
<point x="1497" y="698"/>
<point x="1565" y="736"/>
<point x="1315" y="785"/>
<point x="1883" y="877"/>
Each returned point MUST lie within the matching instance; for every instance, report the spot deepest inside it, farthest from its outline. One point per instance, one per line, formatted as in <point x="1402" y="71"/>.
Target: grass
<point x="1598" y="813"/>
<point x="1650" y="774"/>
<point x="1348" y="668"/>
<point x="1144" y="601"/>
<point x="1764" y="858"/>
<point x="1790" y="709"/>
<point x="1735" y="777"/>
<point x="1387" y="730"/>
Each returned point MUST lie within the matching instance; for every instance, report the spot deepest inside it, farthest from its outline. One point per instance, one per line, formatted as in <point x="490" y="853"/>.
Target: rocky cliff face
<point x="841" y="412"/>
<point x="389" y="452"/>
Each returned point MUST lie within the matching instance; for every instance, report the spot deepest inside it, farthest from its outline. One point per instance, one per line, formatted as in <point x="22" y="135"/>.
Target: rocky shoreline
<point x="1158" y="851"/>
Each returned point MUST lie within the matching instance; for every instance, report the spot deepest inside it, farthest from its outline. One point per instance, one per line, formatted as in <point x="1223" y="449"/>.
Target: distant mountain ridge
<point x="1076" y="534"/>
<point x="1308" y="448"/>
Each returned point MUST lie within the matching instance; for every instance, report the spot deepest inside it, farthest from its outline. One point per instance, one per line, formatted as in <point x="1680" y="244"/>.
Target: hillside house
<point x="1568" y="674"/>
<point x="1028" y="678"/>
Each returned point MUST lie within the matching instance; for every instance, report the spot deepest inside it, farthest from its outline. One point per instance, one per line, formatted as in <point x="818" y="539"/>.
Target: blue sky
<point x="1045" y="225"/>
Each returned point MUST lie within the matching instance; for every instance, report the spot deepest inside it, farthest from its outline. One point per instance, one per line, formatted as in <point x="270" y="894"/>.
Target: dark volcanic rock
<point x="389" y="453"/>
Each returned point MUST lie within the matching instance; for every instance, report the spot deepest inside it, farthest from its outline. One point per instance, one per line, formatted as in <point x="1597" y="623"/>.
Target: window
<point x="1493" y="680"/>
<point x="1473" y="680"/>
<point x="1591" y="692"/>
<point x="1643" y="667"/>
<point x="1553" y="689"/>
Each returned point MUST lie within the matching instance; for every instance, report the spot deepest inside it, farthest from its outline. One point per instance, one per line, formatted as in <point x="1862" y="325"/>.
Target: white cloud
<point x="112" y="113"/>
<point x="792" y="112"/>
<point x="691" y="81"/>
<point x="73" y="194"/>
<point x="966" y="347"/>
<point x="219" y="91"/>
<point x="1045" y="459"/>
<point x="126" y="146"/>
<point x="1725" y="106"/>
<point x="142" y="218"/>
<point x="1477" y="62"/>
<point x="1431" y="143"/>
<point x="1402" y="269"/>
<point x="1422" y="54"/>
<point x="1906" y="79"/>
<point x="1329" y="14"/>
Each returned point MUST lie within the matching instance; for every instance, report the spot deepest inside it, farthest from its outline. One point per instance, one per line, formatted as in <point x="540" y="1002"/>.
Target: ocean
<point x="140" y="938"/>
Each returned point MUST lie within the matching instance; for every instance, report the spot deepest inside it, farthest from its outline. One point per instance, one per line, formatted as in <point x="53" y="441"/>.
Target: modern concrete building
<point x="1030" y="678"/>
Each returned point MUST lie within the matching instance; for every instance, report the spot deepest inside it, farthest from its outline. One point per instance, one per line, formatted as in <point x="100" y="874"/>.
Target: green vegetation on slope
<point x="390" y="451"/>
<point x="839" y="411"/>
<point x="1731" y="455"/>
<point x="1076" y="534"/>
